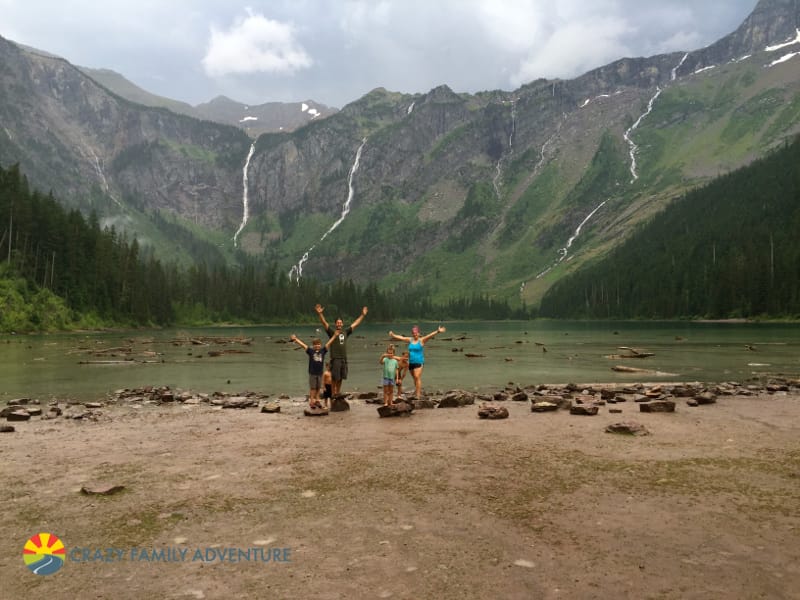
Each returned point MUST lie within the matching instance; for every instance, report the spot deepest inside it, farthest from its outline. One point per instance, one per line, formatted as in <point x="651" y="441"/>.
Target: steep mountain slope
<point x="704" y="255"/>
<point x="121" y="86"/>
<point x="497" y="192"/>
<point x="97" y="150"/>
<point x="255" y="120"/>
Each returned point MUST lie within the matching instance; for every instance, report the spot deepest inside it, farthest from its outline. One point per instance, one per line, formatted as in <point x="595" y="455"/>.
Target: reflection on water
<point x="529" y="352"/>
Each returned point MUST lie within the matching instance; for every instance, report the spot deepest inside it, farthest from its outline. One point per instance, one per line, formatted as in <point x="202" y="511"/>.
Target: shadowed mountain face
<point x="497" y="192"/>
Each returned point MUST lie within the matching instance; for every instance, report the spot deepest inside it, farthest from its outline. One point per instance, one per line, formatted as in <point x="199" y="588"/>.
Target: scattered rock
<point x="424" y="402"/>
<point x="398" y="409"/>
<point x="629" y="428"/>
<point x="271" y="407"/>
<point x="7" y="429"/>
<point x="315" y="412"/>
<point x="456" y="398"/>
<point x="657" y="406"/>
<point x="18" y="415"/>
<point x="584" y="409"/>
<point x="339" y="404"/>
<point x="705" y="398"/>
<point x="238" y="402"/>
<point x="544" y="406"/>
<point x="489" y="411"/>
<point x="102" y="489"/>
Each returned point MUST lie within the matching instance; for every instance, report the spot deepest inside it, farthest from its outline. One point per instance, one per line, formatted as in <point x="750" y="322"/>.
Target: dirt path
<point x="439" y="505"/>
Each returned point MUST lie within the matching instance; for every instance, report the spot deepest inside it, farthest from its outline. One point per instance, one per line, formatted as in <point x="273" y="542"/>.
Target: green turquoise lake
<point x="479" y="356"/>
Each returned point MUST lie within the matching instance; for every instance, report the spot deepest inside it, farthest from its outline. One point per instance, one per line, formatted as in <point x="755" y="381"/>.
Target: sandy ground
<point x="438" y="505"/>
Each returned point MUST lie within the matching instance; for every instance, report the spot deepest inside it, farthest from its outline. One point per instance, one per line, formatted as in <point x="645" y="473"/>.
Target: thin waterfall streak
<point x="578" y="229"/>
<point x="499" y="166"/>
<point x="633" y="148"/>
<point x="563" y="252"/>
<point x="296" y="271"/>
<point x="674" y="74"/>
<point x="99" y="169"/>
<point x="245" y="201"/>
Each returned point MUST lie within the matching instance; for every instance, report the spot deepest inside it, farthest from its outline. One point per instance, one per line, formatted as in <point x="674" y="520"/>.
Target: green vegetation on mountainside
<point x="728" y="249"/>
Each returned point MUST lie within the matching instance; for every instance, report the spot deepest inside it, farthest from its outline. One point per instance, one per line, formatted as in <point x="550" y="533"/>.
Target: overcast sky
<point x="334" y="52"/>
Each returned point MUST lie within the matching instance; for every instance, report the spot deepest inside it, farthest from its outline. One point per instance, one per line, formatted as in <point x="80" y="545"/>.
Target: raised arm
<point x="322" y="320"/>
<point x="360" y="318"/>
<point x="298" y="341"/>
<point x="439" y="329"/>
<point x="400" y="338"/>
<point x="329" y="342"/>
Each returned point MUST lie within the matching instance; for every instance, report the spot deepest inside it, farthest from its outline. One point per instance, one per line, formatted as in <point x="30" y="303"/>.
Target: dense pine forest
<point x="61" y="270"/>
<point x="729" y="249"/>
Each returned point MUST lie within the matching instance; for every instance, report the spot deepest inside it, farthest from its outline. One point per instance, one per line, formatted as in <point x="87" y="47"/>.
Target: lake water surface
<point x="527" y="352"/>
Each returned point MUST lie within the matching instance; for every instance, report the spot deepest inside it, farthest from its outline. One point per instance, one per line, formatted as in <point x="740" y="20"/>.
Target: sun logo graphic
<point x="44" y="554"/>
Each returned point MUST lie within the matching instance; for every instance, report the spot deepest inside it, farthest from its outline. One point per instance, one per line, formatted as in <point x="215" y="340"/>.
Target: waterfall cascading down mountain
<point x="674" y="73"/>
<point x="509" y="152"/>
<point x="633" y="148"/>
<point x="245" y="203"/>
<point x="627" y="135"/>
<point x="99" y="169"/>
<point x="296" y="272"/>
<point x="563" y="252"/>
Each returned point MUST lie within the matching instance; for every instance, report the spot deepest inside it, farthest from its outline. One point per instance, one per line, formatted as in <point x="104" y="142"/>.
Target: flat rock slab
<point x="544" y="407"/>
<point x="271" y="407"/>
<point x="588" y="410"/>
<point x="629" y="428"/>
<point x="101" y="489"/>
<point x="18" y="415"/>
<point x="657" y="406"/>
<point x="6" y="429"/>
<point x="315" y="412"/>
<point x="398" y="409"/>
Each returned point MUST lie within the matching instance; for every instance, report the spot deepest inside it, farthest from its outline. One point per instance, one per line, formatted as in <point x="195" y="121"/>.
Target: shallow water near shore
<point x="478" y="356"/>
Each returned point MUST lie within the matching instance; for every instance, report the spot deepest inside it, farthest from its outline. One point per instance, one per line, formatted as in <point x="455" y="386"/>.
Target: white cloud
<point x="255" y="44"/>
<point x="512" y="26"/>
<point x="573" y="49"/>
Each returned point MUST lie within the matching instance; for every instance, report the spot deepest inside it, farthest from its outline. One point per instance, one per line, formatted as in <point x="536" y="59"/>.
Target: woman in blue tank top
<point x="416" y="353"/>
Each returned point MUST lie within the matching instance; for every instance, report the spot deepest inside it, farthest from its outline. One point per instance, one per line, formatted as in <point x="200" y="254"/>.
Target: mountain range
<point x="499" y="193"/>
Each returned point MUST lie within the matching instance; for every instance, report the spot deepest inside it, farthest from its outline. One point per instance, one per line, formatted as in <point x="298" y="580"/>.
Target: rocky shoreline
<point x="577" y="399"/>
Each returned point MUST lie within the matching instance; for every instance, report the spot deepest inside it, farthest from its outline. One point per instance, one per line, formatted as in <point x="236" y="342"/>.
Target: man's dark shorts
<point x="338" y="369"/>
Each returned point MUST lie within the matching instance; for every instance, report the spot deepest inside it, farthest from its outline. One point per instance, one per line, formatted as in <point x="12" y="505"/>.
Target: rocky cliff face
<point x="479" y="192"/>
<point x="94" y="149"/>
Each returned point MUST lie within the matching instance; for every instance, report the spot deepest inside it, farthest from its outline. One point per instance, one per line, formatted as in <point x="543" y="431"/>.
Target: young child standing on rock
<point x="316" y="362"/>
<point x="327" y="384"/>
<point x="390" y="367"/>
<point x="402" y="369"/>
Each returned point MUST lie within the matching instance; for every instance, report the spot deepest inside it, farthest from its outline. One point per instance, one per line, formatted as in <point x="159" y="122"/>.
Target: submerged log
<point x="624" y="369"/>
<point x="129" y="361"/>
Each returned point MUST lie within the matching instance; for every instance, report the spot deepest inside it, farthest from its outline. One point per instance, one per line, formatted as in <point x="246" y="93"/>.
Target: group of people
<point x="330" y="376"/>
